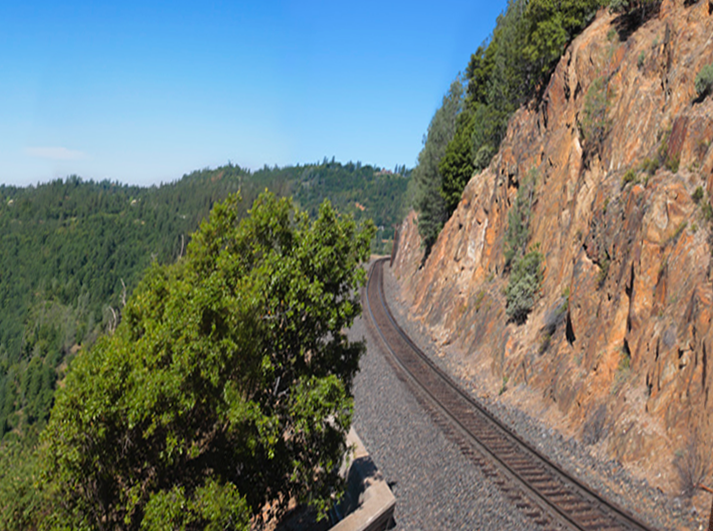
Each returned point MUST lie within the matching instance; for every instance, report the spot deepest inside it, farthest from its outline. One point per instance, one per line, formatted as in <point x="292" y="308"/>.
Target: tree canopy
<point x="226" y="385"/>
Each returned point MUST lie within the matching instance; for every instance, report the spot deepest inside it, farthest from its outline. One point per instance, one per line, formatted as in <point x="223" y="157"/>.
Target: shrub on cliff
<point x="226" y="385"/>
<point x="525" y="267"/>
<point x="693" y="464"/>
<point x="518" y="232"/>
<point x="704" y="81"/>
<point x="525" y="279"/>
<point x="627" y="6"/>
<point x="595" y="124"/>
<point x="632" y="13"/>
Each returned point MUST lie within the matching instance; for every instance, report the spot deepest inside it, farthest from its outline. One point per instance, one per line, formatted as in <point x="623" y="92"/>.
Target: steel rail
<point x="563" y="497"/>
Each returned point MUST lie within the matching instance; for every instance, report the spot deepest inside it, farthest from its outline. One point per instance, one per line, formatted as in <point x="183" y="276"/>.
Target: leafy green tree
<point x="226" y="385"/>
<point x="22" y="504"/>
<point x="429" y="200"/>
<point x="213" y="507"/>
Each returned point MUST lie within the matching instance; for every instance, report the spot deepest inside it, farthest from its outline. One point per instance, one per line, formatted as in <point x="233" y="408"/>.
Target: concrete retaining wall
<point x="369" y="503"/>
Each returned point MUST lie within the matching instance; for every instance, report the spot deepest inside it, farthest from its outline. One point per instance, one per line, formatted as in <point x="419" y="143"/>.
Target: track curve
<point x="538" y="487"/>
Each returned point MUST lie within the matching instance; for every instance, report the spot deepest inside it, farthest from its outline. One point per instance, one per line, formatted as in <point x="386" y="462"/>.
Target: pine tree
<point x="429" y="201"/>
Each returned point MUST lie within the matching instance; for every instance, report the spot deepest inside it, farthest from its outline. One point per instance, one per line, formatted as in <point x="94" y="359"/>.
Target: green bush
<point x="525" y="280"/>
<point x="22" y="494"/>
<point x="629" y="177"/>
<point x="650" y="165"/>
<point x="525" y="270"/>
<point x="672" y="163"/>
<point x="697" y="195"/>
<point x="707" y="211"/>
<point x="642" y="8"/>
<point x="213" y="506"/>
<point x="704" y="81"/>
<point x="603" y="272"/>
<point x="625" y="360"/>
<point x="519" y="215"/>
<point x="678" y="231"/>
<point x="618" y="6"/>
<point x="595" y="124"/>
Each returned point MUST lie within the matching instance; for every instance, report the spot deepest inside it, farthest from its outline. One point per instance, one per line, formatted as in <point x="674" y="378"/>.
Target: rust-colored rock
<point x="633" y="258"/>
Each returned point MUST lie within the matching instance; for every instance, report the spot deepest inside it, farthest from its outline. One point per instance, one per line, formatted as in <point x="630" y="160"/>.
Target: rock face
<point x="620" y="342"/>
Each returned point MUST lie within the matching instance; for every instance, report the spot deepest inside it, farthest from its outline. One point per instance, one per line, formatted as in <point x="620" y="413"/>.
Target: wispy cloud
<point x="55" y="153"/>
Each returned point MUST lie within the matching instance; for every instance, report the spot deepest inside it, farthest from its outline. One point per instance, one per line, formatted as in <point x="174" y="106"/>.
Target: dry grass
<point x="692" y="463"/>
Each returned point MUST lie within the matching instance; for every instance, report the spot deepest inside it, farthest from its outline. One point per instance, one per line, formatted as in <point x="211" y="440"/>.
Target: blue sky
<point x="143" y="92"/>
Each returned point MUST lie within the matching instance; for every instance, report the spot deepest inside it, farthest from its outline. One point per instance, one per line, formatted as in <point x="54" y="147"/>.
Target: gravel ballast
<point x="436" y="487"/>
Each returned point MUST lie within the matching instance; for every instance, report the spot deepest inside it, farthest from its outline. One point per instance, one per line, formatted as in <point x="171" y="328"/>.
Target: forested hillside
<point x="72" y="251"/>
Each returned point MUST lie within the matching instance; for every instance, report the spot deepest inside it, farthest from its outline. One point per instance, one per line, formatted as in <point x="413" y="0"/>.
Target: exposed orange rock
<point x="652" y="309"/>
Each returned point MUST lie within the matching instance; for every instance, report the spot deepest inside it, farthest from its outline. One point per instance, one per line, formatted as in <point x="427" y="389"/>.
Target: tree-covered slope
<point x="510" y="69"/>
<point x="71" y="252"/>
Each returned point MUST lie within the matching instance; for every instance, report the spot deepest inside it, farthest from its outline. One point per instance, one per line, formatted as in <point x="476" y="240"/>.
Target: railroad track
<point x="539" y="488"/>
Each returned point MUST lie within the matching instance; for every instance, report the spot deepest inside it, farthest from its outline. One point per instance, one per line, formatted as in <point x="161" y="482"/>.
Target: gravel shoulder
<point x="606" y="476"/>
<point x="435" y="486"/>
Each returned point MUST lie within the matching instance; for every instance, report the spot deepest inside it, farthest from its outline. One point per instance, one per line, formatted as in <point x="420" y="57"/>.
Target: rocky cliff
<point x="619" y="344"/>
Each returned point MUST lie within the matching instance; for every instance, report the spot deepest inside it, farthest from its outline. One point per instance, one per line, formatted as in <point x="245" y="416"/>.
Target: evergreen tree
<point x="456" y="166"/>
<point x="429" y="201"/>
<point x="503" y="74"/>
<point x="550" y="26"/>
